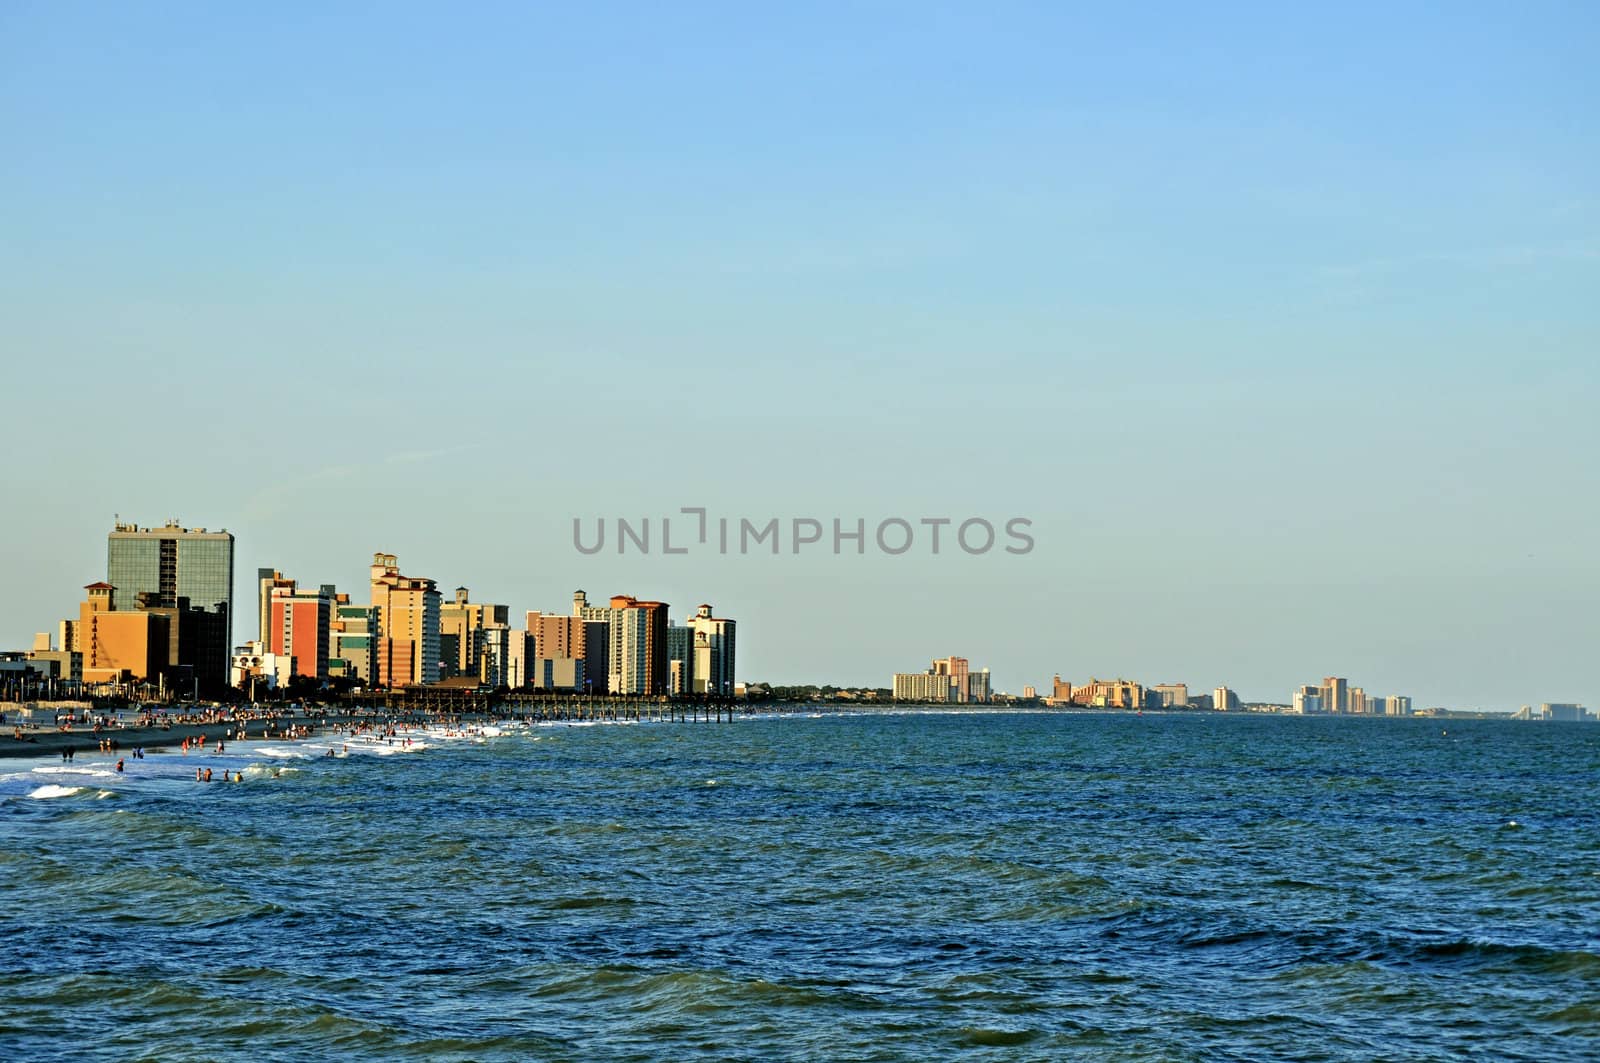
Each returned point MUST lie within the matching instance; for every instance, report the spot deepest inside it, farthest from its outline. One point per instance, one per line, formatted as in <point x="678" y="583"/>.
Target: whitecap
<point x="52" y="790"/>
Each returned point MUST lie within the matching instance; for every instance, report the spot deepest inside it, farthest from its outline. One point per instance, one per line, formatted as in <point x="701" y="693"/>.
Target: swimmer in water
<point x="208" y="775"/>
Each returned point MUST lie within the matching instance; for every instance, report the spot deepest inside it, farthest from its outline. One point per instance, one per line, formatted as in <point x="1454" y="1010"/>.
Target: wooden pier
<point x="448" y="701"/>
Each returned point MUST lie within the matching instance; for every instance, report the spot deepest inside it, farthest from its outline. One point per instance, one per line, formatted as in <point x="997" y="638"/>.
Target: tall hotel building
<point x="701" y="655"/>
<point x="638" y="643"/>
<point x="183" y="572"/>
<point x="406" y="650"/>
<point x="949" y="679"/>
<point x="1335" y="694"/>
<point x="298" y="625"/>
<point x="462" y="624"/>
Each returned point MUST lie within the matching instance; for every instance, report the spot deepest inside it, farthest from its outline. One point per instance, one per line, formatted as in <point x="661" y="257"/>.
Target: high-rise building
<point x="920" y="686"/>
<point x="1223" y="699"/>
<point x="352" y="631"/>
<point x="196" y="658"/>
<point x="266" y="580"/>
<point x="554" y="637"/>
<point x="169" y="563"/>
<point x="299" y="623"/>
<point x="119" y="647"/>
<point x="1172" y="695"/>
<point x="492" y="655"/>
<point x="680" y="659"/>
<point x="1335" y="694"/>
<point x="519" y="646"/>
<point x="1108" y="694"/>
<point x="713" y="645"/>
<point x="1308" y="700"/>
<point x="406" y="649"/>
<point x="1396" y="705"/>
<point x="948" y="679"/>
<point x="637" y="634"/>
<point x="460" y="622"/>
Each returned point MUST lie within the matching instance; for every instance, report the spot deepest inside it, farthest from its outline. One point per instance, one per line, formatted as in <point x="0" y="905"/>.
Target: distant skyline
<point x="1279" y="324"/>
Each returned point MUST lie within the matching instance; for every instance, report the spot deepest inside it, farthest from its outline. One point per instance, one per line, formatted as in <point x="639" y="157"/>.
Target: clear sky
<point x="1282" y="326"/>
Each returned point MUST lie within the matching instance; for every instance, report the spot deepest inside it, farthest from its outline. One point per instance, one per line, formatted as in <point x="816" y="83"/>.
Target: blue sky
<point x="1280" y="325"/>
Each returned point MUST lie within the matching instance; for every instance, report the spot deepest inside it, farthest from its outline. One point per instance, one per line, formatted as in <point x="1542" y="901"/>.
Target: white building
<point x="252" y="661"/>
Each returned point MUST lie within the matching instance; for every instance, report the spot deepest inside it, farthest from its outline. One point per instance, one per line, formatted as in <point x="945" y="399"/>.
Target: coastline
<point x="54" y="742"/>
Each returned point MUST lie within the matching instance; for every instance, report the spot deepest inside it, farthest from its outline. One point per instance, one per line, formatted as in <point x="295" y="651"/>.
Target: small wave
<point x="96" y="773"/>
<point x="282" y="753"/>
<point x="984" y="1037"/>
<point x="50" y="790"/>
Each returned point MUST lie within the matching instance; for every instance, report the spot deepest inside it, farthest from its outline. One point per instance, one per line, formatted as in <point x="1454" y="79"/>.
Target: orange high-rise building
<point x="119" y="646"/>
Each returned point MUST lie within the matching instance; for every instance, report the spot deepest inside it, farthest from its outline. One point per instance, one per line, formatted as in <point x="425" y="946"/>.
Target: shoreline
<point x="53" y="743"/>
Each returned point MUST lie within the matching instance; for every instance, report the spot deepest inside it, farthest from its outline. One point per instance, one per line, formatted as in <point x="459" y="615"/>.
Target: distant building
<point x="1357" y="701"/>
<point x="554" y="637"/>
<point x="519" y="647"/>
<point x="1335" y="694"/>
<point x="1030" y="692"/>
<point x="1172" y="695"/>
<point x="152" y="568"/>
<point x="1108" y="694"/>
<point x="64" y="663"/>
<point x="267" y="579"/>
<point x="680" y="659"/>
<point x="119" y="647"/>
<point x="253" y="662"/>
<point x="921" y="686"/>
<point x="352" y="633"/>
<point x="637" y="633"/>
<point x="714" y="646"/>
<point x="460" y="622"/>
<point x="1563" y="712"/>
<point x="1308" y="700"/>
<point x="1395" y="705"/>
<point x="407" y="647"/>
<point x="563" y="673"/>
<point x="1224" y="700"/>
<point x="298" y="625"/>
<point x="1060" y="692"/>
<point x="947" y="680"/>
<point x="492" y="654"/>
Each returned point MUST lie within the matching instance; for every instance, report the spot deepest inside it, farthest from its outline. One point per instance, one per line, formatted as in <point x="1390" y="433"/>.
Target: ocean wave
<point x="283" y="753"/>
<point x="97" y="773"/>
<point x="50" y="790"/>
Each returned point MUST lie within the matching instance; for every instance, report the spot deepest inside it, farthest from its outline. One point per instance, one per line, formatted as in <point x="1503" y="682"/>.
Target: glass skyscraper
<point x="159" y="566"/>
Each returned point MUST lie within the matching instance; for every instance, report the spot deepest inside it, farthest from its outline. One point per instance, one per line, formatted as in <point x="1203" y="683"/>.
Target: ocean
<point x="817" y="887"/>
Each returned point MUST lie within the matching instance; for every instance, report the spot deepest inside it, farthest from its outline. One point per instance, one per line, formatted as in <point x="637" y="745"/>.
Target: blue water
<point x="904" y="887"/>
